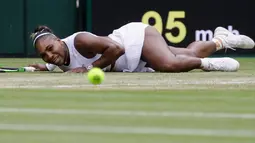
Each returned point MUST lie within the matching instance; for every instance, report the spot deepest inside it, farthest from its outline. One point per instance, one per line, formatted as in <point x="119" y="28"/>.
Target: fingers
<point x="32" y="65"/>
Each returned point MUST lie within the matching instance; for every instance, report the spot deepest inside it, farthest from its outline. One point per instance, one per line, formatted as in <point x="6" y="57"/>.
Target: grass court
<point x="193" y="107"/>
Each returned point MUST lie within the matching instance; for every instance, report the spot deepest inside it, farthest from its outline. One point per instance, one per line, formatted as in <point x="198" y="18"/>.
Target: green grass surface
<point x="194" y="107"/>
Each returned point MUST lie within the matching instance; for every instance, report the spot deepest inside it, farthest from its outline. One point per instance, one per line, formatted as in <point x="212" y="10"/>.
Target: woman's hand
<point x="40" y="67"/>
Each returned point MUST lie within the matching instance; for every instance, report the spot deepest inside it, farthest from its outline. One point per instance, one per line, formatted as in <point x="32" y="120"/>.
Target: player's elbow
<point x="117" y="51"/>
<point x="120" y="51"/>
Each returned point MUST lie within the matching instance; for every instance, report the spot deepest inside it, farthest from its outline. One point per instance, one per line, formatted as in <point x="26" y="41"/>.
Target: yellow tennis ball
<point x="96" y="75"/>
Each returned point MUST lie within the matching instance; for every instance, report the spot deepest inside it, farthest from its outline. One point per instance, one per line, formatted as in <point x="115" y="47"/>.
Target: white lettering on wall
<point x="207" y="35"/>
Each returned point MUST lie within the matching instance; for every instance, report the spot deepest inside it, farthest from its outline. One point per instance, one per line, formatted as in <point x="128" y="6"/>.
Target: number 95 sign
<point x="170" y="24"/>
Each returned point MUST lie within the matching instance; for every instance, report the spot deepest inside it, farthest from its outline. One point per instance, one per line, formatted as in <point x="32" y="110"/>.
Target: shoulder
<point x="79" y="36"/>
<point x="84" y="38"/>
<point x="70" y="38"/>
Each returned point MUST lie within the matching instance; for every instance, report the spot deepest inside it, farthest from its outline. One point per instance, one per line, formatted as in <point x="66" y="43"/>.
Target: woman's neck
<point x="67" y="55"/>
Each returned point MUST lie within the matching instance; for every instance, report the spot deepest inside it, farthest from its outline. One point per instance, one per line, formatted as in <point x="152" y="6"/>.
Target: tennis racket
<point x="22" y="69"/>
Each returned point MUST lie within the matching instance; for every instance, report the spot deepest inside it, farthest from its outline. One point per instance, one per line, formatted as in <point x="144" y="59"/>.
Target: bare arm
<point x="110" y="50"/>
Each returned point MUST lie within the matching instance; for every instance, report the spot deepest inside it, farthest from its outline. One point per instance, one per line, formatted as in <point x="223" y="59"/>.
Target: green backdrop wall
<point x="12" y="24"/>
<point x="20" y="17"/>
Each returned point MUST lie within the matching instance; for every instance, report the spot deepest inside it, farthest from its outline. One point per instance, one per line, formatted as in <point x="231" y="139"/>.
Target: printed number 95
<point x="170" y="24"/>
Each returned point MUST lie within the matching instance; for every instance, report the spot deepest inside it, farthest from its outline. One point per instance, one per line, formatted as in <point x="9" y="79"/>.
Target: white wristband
<point x="29" y="69"/>
<point x="89" y="67"/>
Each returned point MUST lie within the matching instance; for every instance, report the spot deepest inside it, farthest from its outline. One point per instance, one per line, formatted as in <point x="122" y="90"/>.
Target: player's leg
<point x="199" y="49"/>
<point x="157" y="54"/>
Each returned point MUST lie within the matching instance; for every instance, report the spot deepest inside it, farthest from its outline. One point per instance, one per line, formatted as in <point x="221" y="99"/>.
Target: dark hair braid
<point x="39" y="30"/>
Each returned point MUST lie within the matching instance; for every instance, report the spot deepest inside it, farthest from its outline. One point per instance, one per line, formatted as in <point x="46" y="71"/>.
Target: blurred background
<point x="180" y="22"/>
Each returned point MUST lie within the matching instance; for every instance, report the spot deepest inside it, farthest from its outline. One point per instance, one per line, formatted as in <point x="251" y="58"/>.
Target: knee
<point x="192" y="45"/>
<point x="193" y="49"/>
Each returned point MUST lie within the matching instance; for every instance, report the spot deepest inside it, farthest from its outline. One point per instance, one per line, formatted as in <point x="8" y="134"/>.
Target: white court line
<point x="129" y="130"/>
<point x="128" y="113"/>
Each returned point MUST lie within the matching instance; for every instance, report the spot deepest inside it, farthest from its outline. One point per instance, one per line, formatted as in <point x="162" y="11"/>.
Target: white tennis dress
<point x="130" y="36"/>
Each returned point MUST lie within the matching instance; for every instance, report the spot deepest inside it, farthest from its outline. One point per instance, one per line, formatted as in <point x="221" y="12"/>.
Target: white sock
<point x="218" y="43"/>
<point x="204" y="63"/>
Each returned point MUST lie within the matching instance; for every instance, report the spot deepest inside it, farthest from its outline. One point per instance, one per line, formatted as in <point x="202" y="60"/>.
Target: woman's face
<point x="51" y="50"/>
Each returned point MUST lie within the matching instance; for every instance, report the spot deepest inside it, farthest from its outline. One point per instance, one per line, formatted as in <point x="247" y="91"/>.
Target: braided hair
<point x="40" y="32"/>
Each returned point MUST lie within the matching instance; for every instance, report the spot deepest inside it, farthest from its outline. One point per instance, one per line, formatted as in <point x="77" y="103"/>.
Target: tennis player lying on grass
<point x="135" y="47"/>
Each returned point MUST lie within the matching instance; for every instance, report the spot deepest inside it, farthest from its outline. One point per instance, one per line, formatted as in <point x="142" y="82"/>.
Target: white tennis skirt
<point x="131" y="37"/>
